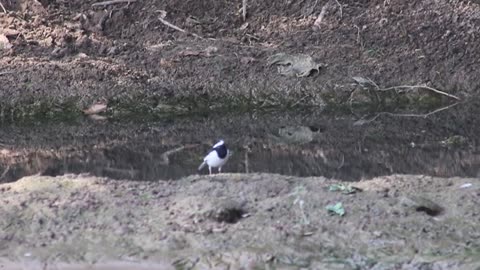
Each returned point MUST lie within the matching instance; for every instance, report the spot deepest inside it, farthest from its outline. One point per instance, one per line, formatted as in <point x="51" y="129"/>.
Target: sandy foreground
<point x="239" y="221"/>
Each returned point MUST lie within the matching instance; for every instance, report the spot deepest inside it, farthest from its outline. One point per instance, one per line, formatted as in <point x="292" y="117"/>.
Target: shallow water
<point x="314" y="143"/>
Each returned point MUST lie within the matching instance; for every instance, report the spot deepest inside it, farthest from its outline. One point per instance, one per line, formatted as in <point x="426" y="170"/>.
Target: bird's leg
<point x="210" y="170"/>
<point x="219" y="169"/>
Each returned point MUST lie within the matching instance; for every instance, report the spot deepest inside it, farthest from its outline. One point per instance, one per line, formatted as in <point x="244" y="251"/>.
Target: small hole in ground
<point x="429" y="211"/>
<point x="230" y="215"/>
<point x="52" y="171"/>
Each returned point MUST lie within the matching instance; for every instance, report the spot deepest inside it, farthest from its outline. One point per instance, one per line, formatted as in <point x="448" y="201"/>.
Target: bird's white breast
<point x="213" y="160"/>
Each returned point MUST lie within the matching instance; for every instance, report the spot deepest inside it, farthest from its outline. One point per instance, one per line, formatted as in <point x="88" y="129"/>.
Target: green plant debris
<point x="455" y="140"/>
<point x="336" y="209"/>
<point x="345" y="189"/>
<point x="299" y="192"/>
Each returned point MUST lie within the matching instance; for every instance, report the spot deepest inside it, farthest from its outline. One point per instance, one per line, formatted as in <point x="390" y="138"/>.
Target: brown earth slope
<point x="72" y="52"/>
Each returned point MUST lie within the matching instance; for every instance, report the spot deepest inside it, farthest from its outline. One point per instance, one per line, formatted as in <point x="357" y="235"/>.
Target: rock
<point x="299" y="65"/>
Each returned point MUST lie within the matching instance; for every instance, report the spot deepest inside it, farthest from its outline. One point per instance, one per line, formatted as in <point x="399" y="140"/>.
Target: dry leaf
<point x="319" y="19"/>
<point x="10" y="33"/>
<point x="95" y="108"/>
<point x="244" y="26"/>
<point x="97" y="117"/>
<point x="247" y="60"/>
<point x="4" y="43"/>
<point x="166" y="63"/>
<point x="189" y="52"/>
<point x="210" y="50"/>
<point x="163" y="13"/>
<point x="207" y="52"/>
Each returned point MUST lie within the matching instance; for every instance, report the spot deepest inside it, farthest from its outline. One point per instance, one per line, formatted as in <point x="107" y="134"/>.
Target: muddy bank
<point x="62" y="57"/>
<point x="231" y="221"/>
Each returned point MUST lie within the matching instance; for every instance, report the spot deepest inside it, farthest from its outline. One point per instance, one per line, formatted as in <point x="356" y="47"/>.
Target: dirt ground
<point x="239" y="221"/>
<point x="59" y="55"/>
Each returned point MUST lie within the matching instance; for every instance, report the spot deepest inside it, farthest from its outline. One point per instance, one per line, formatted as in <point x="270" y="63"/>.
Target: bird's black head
<point x="221" y="150"/>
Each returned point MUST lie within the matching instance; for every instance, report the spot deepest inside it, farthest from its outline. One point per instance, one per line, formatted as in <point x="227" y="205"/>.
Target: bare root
<point x="112" y="2"/>
<point x="3" y="8"/>
<point x="166" y="23"/>
<point x="244" y="10"/>
<point x="425" y="115"/>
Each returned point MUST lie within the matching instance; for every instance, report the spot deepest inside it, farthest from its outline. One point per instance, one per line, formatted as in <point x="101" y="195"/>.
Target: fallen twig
<point x="420" y="86"/>
<point x="247" y="164"/>
<point x="244" y="10"/>
<point x="6" y="72"/>
<point x="4" y="10"/>
<point x="103" y="20"/>
<point x="366" y="81"/>
<point x="299" y="101"/>
<point x="341" y="9"/>
<point x="425" y="115"/>
<point x="358" y="36"/>
<point x="112" y="2"/>
<point x="165" y="157"/>
<point x="372" y="82"/>
<point x="319" y="19"/>
<point x="177" y="28"/>
<point x="5" y="172"/>
<point x="341" y="163"/>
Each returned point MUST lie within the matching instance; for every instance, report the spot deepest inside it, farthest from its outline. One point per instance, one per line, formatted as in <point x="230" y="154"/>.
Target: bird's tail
<point x="202" y="166"/>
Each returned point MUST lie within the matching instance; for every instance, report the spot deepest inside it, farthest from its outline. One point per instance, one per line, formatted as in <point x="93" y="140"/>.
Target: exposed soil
<point x="71" y="54"/>
<point x="240" y="221"/>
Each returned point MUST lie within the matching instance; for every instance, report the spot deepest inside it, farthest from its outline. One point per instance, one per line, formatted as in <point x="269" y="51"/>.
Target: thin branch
<point x="341" y="9"/>
<point x="112" y="2"/>
<point x="358" y="35"/>
<point x="244" y="10"/>
<point x="5" y="172"/>
<point x="177" y="28"/>
<point x="362" y="122"/>
<point x="103" y="20"/>
<point x="4" y="10"/>
<point x="350" y="98"/>
<point x="342" y="163"/>
<point x="319" y="19"/>
<point x="6" y="72"/>
<point x="171" y="25"/>
<point x="247" y="165"/>
<point x="420" y="86"/>
<point x="374" y="84"/>
<point x="165" y="157"/>
<point x="363" y="81"/>
<point x="299" y="101"/>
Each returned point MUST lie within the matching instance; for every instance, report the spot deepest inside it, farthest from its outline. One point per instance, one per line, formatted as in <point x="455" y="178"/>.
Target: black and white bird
<point x="217" y="157"/>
